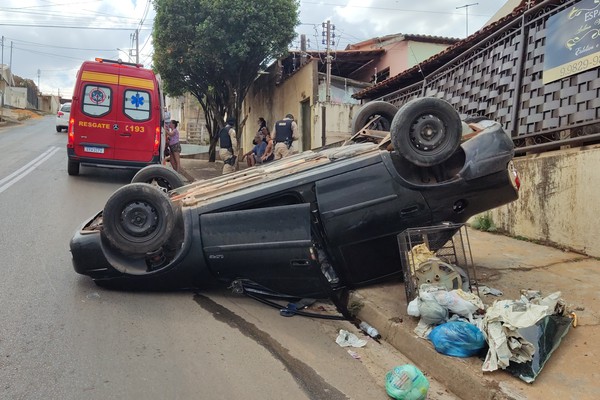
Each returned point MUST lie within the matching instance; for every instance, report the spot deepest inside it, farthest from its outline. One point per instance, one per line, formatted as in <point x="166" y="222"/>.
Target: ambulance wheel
<point x="73" y="168"/>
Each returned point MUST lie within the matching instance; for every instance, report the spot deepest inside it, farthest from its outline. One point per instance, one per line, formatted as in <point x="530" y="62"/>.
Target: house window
<point x="381" y="75"/>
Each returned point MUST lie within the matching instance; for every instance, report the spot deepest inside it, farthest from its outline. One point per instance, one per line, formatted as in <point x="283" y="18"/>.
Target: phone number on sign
<point x="580" y="65"/>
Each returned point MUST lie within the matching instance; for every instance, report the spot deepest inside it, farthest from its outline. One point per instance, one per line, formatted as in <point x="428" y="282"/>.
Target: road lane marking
<point x="25" y="170"/>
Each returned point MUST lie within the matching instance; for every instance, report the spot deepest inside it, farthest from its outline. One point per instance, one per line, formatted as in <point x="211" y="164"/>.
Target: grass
<point x="484" y="222"/>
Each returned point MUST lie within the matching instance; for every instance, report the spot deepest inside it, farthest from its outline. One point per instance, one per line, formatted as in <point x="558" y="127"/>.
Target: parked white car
<point x="62" y="117"/>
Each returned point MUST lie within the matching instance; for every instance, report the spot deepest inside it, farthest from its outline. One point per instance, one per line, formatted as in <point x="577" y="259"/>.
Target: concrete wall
<point x="558" y="200"/>
<point x="338" y="119"/>
<point x="272" y="102"/>
<point x="15" y="97"/>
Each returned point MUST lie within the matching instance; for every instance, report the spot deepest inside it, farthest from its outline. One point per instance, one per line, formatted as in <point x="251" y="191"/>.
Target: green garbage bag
<point x="406" y="382"/>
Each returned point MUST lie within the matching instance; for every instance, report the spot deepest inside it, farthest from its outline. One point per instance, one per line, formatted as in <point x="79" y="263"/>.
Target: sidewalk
<point x="507" y="264"/>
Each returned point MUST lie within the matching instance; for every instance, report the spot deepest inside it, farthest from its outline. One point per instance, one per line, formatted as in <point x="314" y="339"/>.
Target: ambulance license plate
<point x="94" y="149"/>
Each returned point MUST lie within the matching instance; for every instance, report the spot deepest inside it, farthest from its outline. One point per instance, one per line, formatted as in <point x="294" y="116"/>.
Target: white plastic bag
<point x="413" y="308"/>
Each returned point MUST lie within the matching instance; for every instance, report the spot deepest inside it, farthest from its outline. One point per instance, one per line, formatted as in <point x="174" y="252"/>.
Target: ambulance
<point x="116" y="117"/>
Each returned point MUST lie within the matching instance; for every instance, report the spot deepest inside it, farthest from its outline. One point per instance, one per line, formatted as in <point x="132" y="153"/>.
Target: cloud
<point x="55" y="36"/>
<point x="47" y="41"/>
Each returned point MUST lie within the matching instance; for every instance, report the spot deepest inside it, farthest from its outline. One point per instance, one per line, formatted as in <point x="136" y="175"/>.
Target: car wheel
<point x="73" y="168"/>
<point x="58" y="129"/>
<point x="426" y="131"/>
<point x="369" y="111"/>
<point x="162" y="177"/>
<point x="138" y="219"/>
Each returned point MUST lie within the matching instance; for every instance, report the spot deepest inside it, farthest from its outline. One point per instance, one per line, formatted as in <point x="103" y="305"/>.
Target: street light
<point x="127" y="53"/>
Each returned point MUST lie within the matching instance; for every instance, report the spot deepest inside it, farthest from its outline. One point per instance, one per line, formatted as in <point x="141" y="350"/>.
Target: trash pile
<point x="459" y="324"/>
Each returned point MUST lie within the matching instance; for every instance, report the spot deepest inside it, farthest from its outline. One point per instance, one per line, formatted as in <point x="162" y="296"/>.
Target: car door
<point x="270" y="246"/>
<point x="135" y="131"/>
<point x="362" y="212"/>
<point x="94" y="130"/>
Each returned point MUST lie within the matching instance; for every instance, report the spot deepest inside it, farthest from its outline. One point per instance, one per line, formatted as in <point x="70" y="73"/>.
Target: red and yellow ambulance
<point x="116" y="117"/>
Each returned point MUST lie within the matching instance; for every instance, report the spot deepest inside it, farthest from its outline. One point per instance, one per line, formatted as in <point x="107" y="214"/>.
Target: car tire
<point x="157" y="175"/>
<point x="73" y="168"/>
<point x="369" y="111"/>
<point x="138" y="219"/>
<point x="58" y="129"/>
<point x="426" y="131"/>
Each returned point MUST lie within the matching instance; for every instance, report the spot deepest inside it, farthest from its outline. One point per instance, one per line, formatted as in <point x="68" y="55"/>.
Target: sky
<point x="47" y="40"/>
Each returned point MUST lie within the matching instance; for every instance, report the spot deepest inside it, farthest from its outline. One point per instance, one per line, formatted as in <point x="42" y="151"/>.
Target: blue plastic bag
<point x="458" y="339"/>
<point x="406" y="382"/>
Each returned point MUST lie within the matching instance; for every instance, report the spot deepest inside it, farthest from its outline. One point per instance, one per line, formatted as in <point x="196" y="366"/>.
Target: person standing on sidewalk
<point x="174" y="146"/>
<point x="228" y="146"/>
<point x="285" y="132"/>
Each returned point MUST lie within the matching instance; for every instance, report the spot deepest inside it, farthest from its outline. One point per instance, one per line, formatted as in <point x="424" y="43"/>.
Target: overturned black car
<point x="310" y="225"/>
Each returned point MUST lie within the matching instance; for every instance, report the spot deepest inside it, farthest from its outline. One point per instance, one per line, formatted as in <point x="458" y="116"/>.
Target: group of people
<point x="266" y="147"/>
<point x="173" y="147"/>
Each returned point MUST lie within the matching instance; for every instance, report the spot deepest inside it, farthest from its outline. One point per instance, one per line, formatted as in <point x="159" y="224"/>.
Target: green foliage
<point x="215" y="48"/>
<point x="484" y="222"/>
<point x="354" y="307"/>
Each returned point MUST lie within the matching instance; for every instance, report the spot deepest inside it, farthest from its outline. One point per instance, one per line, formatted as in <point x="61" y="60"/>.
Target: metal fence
<point x="500" y="78"/>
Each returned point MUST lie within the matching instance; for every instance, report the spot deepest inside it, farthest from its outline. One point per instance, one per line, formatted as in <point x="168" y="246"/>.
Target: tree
<point x="214" y="49"/>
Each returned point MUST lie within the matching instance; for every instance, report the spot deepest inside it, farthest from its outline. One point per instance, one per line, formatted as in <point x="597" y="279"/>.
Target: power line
<point x="54" y="46"/>
<point x="72" y="27"/>
<point x="387" y="8"/>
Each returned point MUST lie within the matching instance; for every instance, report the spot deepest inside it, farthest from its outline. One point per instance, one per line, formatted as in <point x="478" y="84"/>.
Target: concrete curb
<point x="463" y="376"/>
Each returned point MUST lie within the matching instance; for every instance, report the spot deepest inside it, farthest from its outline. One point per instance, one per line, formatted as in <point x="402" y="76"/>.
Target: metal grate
<point x="449" y="243"/>
<point x="500" y="78"/>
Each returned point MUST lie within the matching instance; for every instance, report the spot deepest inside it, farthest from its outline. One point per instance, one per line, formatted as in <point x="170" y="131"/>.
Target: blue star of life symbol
<point x="137" y="100"/>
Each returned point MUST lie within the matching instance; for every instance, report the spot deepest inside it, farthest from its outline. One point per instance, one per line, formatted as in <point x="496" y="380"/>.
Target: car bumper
<point x="93" y="257"/>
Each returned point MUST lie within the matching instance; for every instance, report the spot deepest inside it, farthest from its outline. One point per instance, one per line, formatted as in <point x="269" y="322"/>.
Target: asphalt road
<point x="61" y="337"/>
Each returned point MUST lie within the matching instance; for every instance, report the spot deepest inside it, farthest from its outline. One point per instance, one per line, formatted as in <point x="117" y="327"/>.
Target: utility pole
<point x="327" y="41"/>
<point x="134" y="37"/>
<point x="328" y="34"/>
<point x="39" y="73"/>
<point x="137" y="46"/>
<point x="466" y="7"/>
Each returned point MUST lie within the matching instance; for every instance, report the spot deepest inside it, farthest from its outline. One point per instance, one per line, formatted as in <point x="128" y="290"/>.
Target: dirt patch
<point x="25" y="114"/>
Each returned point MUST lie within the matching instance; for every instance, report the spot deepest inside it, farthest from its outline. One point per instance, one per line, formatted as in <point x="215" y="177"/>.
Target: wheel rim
<point x="379" y="123"/>
<point x="427" y="133"/>
<point x="139" y="219"/>
<point x="162" y="183"/>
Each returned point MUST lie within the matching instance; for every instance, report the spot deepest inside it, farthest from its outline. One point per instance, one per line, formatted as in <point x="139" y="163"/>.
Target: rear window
<point x="96" y="100"/>
<point x="137" y="104"/>
<point x="66" y="108"/>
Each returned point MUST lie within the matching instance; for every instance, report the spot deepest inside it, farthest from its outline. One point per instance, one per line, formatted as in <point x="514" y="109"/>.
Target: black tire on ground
<point x="369" y="111"/>
<point x="58" y="129"/>
<point x="426" y="131"/>
<point x="138" y="219"/>
<point x="73" y="168"/>
<point x="164" y="178"/>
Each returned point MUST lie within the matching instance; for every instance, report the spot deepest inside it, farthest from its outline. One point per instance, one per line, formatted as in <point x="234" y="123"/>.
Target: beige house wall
<point x="558" y="200"/>
<point x="338" y="119"/>
<point x="272" y="102"/>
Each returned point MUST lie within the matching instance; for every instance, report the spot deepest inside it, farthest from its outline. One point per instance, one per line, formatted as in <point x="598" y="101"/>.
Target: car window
<point x="66" y="108"/>
<point x="137" y="105"/>
<point x="96" y="100"/>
